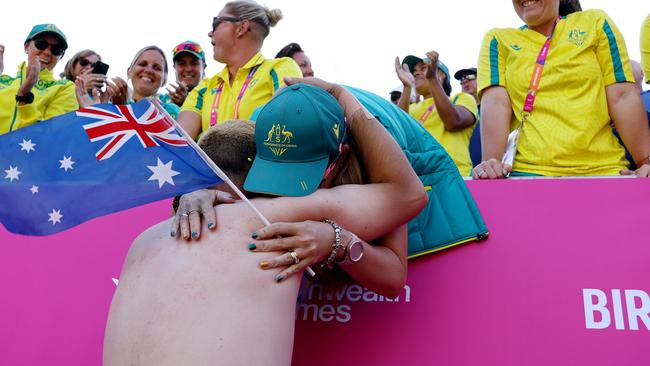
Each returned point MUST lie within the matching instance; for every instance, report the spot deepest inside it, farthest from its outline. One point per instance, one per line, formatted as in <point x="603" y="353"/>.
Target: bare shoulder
<point x="149" y="240"/>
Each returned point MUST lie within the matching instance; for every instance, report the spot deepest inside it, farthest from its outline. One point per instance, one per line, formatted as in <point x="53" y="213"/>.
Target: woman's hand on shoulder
<point x="192" y="206"/>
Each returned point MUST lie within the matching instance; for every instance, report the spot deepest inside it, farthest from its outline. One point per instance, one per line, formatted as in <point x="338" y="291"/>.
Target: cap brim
<point x="54" y="34"/>
<point x="188" y="51"/>
<point x="285" y="179"/>
<point x="460" y="73"/>
<point x="411" y="61"/>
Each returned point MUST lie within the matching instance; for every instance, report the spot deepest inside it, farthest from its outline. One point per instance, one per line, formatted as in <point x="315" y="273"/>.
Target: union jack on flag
<point x="61" y="172"/>
<point x="151" y="127"/>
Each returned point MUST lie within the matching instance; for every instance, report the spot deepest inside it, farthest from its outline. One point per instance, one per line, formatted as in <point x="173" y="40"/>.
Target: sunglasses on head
<point x="84" y="62"/>
<point x="468" y="77"/>
<point x="42" y="45"/>
<point x="218" y="20"/>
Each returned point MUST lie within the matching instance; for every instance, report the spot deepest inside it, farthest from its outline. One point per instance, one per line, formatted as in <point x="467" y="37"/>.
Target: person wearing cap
<point x="34" y="94"/>
<point x="248" y="80"/>
<point x="189" y="64"/>
<point x="467" y="78"/>
<point x="450" y="121"/>
<point x="556" y="83"/>
<point x="294" y="51"/>
<point x="207" y="303"/>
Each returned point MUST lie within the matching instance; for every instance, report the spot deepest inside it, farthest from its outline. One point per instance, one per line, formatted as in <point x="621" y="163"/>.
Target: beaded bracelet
<point x="336" y="246"/>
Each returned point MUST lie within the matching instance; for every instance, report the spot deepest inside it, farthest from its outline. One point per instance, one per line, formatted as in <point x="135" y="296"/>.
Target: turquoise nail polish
<point x="195" y="234"/>
<point x="254" y="235"/>
<point x="210" y="225"/>
<point x="252" y="246"/>
<point x="279" y="278"/>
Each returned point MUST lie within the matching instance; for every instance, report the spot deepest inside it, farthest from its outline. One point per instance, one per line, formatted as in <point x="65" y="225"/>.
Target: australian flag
<point x="92" y="162"/>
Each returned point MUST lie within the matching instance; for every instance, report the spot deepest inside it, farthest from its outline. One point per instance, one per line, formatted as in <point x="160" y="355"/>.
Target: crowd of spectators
<point x="584" y="123"/>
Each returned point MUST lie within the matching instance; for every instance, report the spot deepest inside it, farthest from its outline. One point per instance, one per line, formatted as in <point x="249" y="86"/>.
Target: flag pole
<point x="217" y="170"/>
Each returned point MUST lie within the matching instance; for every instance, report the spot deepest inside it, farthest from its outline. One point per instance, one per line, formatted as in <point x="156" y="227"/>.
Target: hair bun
<point x="274" y="16"/>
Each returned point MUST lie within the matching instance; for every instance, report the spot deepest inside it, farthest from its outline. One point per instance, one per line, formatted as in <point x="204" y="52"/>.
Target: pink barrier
<point x="563" y="279"/>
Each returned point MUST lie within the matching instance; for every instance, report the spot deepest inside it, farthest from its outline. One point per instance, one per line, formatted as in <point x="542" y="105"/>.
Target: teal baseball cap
<point x="297" y="134"/>
<point x="48" y="28"/>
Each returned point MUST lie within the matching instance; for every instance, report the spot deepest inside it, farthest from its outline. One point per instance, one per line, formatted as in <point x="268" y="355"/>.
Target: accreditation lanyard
<point x="533" y="88"/>
<point x="215" y="105"/>
<point x="427" y="113"/>
<point x="513" y="137"/>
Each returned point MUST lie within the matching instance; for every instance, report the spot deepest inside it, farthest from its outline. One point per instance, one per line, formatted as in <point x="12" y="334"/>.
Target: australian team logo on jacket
<point x="279" y="139"/>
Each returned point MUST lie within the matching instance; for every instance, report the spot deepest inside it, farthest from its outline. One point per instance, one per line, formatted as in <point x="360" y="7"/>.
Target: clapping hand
<point x="118" y="91"/>
<point x="2" y="58"/>
<point x="178" y="92"/>
<point x="432" y="65"/>
<point x="404" y="74"/>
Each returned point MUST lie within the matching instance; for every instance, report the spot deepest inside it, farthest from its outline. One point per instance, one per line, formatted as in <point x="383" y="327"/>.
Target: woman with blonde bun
<point x="248" y="80"/>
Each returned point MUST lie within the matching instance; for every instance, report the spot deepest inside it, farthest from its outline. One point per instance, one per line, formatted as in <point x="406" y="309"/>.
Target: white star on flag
<point x="55" y="216"/>
<point x="12" y="173"/>
<point x="34" y="189"/>
<point x="66" y="163"/>
<point x="27" y="146"/>
<point x="163" y="173"/>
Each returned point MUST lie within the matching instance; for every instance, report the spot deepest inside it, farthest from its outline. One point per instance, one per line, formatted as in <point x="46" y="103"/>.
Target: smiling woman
<point x="248" y="80"/>
<point x="554" y="85"/>
<point x="33" y="94"/>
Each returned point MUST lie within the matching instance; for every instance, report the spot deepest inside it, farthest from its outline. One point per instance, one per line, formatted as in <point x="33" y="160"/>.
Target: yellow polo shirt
<point x="645" y="48"/>
<point x="268" y="78"/>
<point x="51" y="98"/>
<point x="456" y="143"/>
<point x="568" y="132"/>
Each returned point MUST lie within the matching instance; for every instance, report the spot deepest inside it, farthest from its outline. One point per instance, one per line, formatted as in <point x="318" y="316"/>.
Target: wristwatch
<point x="27" y="98"/>
<point x="353" y="251"/>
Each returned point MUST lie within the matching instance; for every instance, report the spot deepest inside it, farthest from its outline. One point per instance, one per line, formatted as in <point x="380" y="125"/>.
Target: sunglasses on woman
<point x="218" y="20"/>
<point x="84" y="62"/>
<point x="42" y="45"/>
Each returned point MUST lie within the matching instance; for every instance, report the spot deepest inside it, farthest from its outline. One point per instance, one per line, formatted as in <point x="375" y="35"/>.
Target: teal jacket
<point x="451" y="217"/>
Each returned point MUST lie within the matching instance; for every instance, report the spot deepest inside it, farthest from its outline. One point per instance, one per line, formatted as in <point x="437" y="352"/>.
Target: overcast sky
<point x="350" y="42"/>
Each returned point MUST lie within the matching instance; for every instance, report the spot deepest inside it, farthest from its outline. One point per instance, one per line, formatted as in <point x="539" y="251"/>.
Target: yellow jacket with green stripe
<point x="268" y="78"/>
<point x="568" y="132"/>
<point x="51" y="98"/>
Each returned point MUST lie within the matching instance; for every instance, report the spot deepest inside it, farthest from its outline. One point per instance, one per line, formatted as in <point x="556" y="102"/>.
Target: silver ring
<point x="190" y="211"/>
<point x="293" y="255"/>
<point x="480" y="172"/>
<point x="185" y="214"/>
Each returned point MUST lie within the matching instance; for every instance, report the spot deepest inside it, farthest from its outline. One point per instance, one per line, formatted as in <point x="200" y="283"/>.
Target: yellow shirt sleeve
<point x="285" y="67"/>
<point x="491" y="63"/>
<point x="645" y="48"/>
<point x="64" y="101"/>
<point x="611" y="51"/>
<point x="467" y="101"/>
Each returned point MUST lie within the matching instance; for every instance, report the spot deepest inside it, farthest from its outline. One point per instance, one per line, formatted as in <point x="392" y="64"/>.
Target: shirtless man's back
<point x="210" y="296"/>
